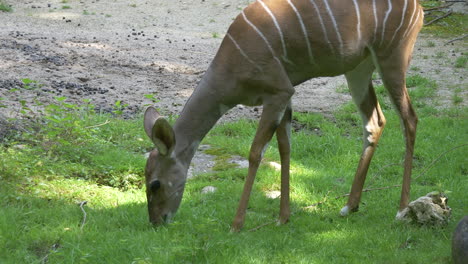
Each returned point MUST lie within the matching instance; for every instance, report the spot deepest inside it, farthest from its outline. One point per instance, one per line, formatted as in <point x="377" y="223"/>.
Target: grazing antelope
<point x="270" y="47"/>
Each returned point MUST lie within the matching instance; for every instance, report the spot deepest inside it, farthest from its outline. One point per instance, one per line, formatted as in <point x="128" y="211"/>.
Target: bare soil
<point x="110" y="50"/>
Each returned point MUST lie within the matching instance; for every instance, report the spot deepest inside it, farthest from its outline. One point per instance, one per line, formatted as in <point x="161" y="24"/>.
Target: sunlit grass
<point x="43" y="182"/>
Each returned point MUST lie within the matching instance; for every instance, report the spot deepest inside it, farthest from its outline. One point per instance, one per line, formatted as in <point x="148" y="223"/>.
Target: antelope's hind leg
<point x="283" y="135"/>
<point x="362" y="91"/>
<point x="393" y="75"/>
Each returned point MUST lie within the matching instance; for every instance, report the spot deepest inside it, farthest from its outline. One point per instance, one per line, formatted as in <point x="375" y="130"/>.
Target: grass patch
<point x="77" y="155"/>
<point x="5" y="7"/>
<point x="451" y="26"/>
<point x="456" y="98"/>
<point x="461" y="62"/>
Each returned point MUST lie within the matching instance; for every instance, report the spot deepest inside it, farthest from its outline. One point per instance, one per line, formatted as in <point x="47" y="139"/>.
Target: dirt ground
<point x="110" y="50"/>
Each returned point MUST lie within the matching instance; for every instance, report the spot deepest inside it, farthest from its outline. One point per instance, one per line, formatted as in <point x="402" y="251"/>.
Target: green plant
<point x="440" y="54"/>
<point x="66" y="7"/>
<point x="342" y="88"/>
<point x="215" y="35"/>
<point x="461" y="61"/>
<point x="2" y="105"/>
<point x="152" y="97"/>
<point x="430" y="43"/>
<point x="456" y="98"/>
<point x="119" y="107"/>
<point x="4" y="7"/>
<point x="30" y="84"/>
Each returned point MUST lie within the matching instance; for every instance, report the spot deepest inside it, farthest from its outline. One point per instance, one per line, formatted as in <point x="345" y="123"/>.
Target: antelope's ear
<point x="159" y="131"/>
<point x="151" y="114"/>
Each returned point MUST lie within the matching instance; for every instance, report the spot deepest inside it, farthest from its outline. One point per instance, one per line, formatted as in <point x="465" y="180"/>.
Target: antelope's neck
<point x="201" y="112"/>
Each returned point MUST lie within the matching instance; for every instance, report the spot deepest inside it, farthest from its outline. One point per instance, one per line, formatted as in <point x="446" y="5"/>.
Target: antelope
<point x="272" y="46"/>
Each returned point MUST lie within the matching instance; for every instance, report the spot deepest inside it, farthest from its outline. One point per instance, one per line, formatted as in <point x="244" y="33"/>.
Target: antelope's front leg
<point x="273" y="111"/>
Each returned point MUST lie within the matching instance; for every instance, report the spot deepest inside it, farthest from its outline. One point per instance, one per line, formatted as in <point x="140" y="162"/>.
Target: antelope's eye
<point x="155" y="185"/>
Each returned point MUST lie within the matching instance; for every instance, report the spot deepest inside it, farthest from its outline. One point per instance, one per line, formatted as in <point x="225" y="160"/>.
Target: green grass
<point x="451" y="26"/>
<point x="99" y="159"/>
<point x="461" y="61"/>
<point x="5" y="7"/>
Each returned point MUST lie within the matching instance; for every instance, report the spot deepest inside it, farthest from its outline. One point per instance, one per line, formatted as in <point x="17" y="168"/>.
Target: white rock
<point x="208" y="189"/>
<point x="273" y="194"/>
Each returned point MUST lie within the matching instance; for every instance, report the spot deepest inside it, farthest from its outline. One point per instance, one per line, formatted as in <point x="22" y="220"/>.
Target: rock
<point x="460" y="242"/>
<point x="239" y="161"/>
<point x="273" y="194"/>
<point x="431" y="210"/>
<point x="208" y="189"/>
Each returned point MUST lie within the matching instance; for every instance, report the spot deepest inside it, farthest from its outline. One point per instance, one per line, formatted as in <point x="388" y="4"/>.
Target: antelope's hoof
<point x="345" y="211"/>
<point x="282" y="221"/>
<point x="401" y="214"/>
<point x="236" y="227"/>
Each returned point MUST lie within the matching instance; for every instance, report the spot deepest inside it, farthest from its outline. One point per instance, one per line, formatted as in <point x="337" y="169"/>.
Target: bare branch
<point x="263" y="225"/>
<point x="437" y="7"/>
<point x="439" y="18"/>
<point x="438" y="158"/>
<point x="105" y="123"/>
<point x="455" y="39"/>
<point x="371" y="189"/>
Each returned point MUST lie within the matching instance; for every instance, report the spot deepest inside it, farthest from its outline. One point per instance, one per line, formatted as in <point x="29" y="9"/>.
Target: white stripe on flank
<point x="401" y="22"/>
<point x="322" y="25"/>
<point x="285" y="54"/>
<point x="415" y="7"/>
<point x="385" y="20"/>
<point x="242" y="51"/>
<point x="334" y="25"/>
<point x="376" y="19"/>
<point x="415" y="22"/>
<point x="304" y="31"/>
<point x="358" y="16"/>
<point x="259" y="33"/>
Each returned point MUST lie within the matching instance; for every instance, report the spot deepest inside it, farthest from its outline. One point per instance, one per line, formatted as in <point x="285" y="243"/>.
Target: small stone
<point x="208" y="189"/>
<point x="273" y="194"/>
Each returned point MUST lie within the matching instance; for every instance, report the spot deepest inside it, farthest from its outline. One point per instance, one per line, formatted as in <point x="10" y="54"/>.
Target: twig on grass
<point x="82" y="204"/>
<point x="370" y="189"/>
<point x="438" y="7"/>
<point x="319" y="203"/>
<point x="438" y="158"/>
<point x="439" y="18"/>
<point x="455" y="39"/>
<point x="105" y="123"/>
<point x="262" y="225"/>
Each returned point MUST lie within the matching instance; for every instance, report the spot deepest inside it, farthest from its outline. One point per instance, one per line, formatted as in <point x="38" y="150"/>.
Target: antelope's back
<point x="321" y="37"/>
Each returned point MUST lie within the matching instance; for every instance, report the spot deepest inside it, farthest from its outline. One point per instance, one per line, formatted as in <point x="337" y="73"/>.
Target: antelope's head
<point x="165" y="175"/>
